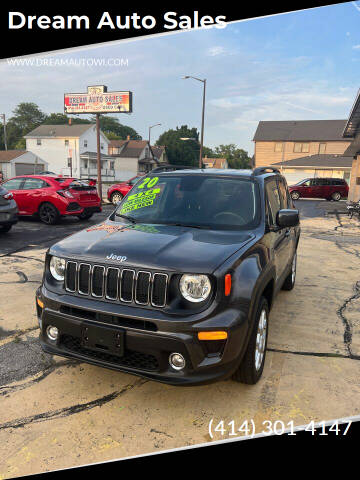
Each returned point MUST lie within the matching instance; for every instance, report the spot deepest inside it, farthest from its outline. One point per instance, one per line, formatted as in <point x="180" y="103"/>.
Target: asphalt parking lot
<point x="58" y="413"/>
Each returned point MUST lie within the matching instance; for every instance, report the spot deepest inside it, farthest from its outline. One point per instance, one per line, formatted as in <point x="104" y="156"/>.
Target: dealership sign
<point x="98" y="100"/>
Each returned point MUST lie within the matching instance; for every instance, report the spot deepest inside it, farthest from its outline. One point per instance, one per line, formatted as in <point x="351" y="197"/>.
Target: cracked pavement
<point x="57" y="413"/>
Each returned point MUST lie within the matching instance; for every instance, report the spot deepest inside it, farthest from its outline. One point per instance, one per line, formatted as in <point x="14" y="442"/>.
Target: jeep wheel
<point x="336" y="196"/>
<point x="295" y="195"/>
<point x="116" y="197"/>
<point x="252" y="365"/>
<point x="290" y="279"/>
<point x="48" y="214"/>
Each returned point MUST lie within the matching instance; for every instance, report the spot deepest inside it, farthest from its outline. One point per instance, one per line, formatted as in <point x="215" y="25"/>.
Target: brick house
<point x="282" y="142"/>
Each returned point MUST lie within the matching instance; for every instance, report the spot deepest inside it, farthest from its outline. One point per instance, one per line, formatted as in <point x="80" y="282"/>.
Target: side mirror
<point x="287" y="218"/>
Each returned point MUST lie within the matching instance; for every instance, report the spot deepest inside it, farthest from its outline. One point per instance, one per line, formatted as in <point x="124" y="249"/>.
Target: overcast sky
<point x="296" y="66"/>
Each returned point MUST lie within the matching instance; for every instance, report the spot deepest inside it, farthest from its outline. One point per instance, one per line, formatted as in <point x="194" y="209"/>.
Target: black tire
<point x="5" y="228"/>
<point x="250" y="370"/>
<point x="295" y="195"/>
<point x="336" y="196"/>
<point x="116" y="197"/>
<point x="49" y="214"/>
<point x="85" y="216"/>
<point x="289" y="282"/>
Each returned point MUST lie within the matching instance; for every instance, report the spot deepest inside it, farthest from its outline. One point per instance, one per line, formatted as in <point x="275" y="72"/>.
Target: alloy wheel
<point x="261" y="340"/>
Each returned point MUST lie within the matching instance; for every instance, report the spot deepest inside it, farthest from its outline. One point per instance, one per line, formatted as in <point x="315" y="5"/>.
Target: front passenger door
<point x="280" y="237"/>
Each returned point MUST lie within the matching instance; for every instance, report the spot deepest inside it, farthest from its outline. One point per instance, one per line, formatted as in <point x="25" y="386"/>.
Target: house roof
<point x="53" y="131"/>
<point x="131" y="148"/>
<point x="158" y="150"/>
<point x="300" y="130"/>
<point x="8" y="155"/>
<point x="320" y="160"/>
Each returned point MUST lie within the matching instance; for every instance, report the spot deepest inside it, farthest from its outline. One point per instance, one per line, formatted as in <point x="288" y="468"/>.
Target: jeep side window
<point x="284" y="198"/>
<point x="273" y="200"/>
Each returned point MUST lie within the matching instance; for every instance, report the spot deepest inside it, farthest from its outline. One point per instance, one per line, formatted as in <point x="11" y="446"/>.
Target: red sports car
<point x="118" y="191"/>
<point x="51" y="197"/>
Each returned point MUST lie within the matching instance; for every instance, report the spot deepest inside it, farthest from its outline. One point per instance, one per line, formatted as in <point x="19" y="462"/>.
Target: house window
<point x="278" y="147"/>
<point x="102" y="146"/>
<point x="69" y="162"/>
<point x="322" y="147"/>
<point x="66" y="143"/>
<point x="301" y="147"/>
<point x="112" y="165"/>
<point x="85" y="164"/>
<point x="85" y="143"/>
<point x="38" y="141"/>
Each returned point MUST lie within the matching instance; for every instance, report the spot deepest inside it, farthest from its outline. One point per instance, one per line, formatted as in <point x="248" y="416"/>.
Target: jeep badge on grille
<point x="119" y="258"/>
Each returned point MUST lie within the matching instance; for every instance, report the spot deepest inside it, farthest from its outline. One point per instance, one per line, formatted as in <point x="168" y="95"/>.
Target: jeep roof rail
<point x="170" y="168"/>
<point x="261" y="170"/>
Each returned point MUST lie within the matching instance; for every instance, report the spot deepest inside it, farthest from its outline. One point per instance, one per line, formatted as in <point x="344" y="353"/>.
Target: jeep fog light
<point x="52" y="333"/>
<point x="195" y="288"/>
<point x="177" y="361"/>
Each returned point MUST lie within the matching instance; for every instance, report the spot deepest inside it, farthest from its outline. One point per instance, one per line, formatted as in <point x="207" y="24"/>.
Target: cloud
<point x="214" y="51"/>
<point x="356" y="47"/>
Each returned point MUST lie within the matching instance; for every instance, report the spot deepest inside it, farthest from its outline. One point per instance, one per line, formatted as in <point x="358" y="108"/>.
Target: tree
<point x="181" y="152"/>
<point x="62" y="119"/>
<point x="236" y="157"/>
<point x="112" y="125"/>
<point x="27" y="116"/>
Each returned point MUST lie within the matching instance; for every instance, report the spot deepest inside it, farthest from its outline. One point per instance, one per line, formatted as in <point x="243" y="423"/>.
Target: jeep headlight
<point x="195" y="288"/>
<point x="57" y="268"/>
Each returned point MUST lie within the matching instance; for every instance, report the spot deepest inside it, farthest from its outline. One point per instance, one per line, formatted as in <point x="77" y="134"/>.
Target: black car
<point x="8" y="210"/>
<point x="177" y="284"/>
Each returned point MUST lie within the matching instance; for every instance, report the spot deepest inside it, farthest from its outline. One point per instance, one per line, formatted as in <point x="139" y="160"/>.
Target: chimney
<point x="128" y="138"/>
<point x="70" y="121"/>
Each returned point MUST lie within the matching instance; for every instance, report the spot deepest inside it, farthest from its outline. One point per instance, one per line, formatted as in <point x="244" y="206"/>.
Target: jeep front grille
<point x="112" y="283"/>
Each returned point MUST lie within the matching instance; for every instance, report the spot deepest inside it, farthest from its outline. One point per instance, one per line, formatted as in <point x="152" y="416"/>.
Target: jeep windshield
<point x="199" y="201"/>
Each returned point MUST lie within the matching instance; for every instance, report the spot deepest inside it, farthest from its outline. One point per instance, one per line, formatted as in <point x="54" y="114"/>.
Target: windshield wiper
<point x="206" y="227"/>
<point x="126" y="217"/>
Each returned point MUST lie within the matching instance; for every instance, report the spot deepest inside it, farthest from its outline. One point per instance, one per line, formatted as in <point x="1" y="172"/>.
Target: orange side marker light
<point x="227" y="284"/>
<point x="212" y="335"/>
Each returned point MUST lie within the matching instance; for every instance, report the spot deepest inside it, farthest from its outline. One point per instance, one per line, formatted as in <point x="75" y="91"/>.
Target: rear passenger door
<point x="279" y="237"/>
<point x="34" y="192"/>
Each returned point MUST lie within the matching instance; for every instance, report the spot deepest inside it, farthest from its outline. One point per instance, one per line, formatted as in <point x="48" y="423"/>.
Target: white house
<point x="70" y="149"/>
<point x="20" y="162"/>
<point x="131" y="157"/>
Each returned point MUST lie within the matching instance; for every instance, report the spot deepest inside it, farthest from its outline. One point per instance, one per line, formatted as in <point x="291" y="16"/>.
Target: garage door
<point x="28" y="168"/>
<point x="293" y="178"/>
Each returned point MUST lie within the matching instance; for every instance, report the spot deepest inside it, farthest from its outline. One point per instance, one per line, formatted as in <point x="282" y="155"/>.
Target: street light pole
<point x="155" y="125"/>
<point x="202" y="116"/>
<point x="4" y="122"/>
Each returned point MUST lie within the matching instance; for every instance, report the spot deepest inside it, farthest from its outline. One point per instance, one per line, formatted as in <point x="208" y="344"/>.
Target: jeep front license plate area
<point x="102" y="339"/>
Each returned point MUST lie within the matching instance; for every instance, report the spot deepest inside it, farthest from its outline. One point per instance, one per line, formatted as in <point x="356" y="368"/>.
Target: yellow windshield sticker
<point x="140" y="200"/>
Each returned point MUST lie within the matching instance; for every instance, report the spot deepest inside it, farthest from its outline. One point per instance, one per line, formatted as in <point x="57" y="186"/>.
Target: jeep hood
<point x="153" y="246"/>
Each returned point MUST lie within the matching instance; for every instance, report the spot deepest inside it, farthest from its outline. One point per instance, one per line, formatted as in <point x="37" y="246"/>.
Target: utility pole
<point x="99" y="181"/>
<point x="4" y="123"/>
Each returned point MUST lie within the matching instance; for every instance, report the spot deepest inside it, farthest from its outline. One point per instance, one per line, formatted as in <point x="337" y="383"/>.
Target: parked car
<point x="328" y="188"/>
<point x="118" y="191"/>
<point x="53" y="197"/>
<point x="8" y="210"/>
<point x="177" y="284"/>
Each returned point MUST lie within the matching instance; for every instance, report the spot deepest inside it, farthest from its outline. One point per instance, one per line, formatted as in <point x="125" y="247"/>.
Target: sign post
<point x="98" y="158"/>
<point x="98" y="100"/>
